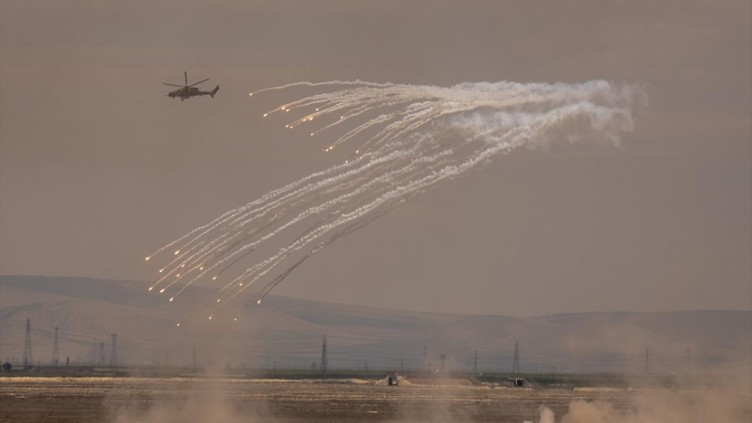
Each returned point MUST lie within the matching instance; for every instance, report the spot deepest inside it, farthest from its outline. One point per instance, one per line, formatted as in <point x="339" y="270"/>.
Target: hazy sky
<point x="98" y="168"/>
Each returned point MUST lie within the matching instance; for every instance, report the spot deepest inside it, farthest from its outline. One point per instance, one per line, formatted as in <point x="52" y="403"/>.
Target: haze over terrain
<point x="287" y="332"/>
<point x="98" y="168"/>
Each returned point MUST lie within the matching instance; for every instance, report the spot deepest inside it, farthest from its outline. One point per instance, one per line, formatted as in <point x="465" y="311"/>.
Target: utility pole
<point x="442" y="357"/>
<point x="113" y="351"/>
<point x="194" y="356"/>
<point x="516" y="362"/>
<point x="55" y="350"/>
<point x="101" y="353"/>
<point x="475" y="363"/>
<point x="94" y="352"/>
<point x="324" y="360"/>
<point x="27" y="345"/>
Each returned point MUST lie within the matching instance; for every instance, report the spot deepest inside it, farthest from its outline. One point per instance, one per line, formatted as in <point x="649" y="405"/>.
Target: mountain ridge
<point x="289" y="330"/>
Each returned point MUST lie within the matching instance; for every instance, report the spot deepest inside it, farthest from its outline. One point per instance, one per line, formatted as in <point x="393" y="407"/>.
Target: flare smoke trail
<point x="405" y="140"/>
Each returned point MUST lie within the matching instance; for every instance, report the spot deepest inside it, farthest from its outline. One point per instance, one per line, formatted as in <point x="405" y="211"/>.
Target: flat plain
<point x="103" y="399"/>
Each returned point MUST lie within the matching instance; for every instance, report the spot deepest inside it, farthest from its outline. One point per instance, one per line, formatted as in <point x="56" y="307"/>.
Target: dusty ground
<point x="83" y="400"/>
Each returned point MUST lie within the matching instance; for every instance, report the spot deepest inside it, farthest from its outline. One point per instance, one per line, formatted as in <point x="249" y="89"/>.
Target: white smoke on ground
<point x="691" y="405"/>
<point x="403" y="140"/>
<point x="718" y="391"/>
<point x="707" y="408"/>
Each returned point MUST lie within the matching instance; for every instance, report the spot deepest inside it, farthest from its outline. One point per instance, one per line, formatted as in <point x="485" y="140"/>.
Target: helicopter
<point x="187" y="91"/>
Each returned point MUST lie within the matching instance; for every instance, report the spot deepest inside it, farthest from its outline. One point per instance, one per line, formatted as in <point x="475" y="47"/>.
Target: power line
<point x="113" y="351"/>
<point x="27" y="345"/>
<point x="324" y="360"/>
<point x="94" y="351"/>
<point x="55" y="350"/>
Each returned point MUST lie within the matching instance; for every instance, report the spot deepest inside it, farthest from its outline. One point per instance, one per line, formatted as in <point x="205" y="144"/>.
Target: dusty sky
<point x="99" y="168"/>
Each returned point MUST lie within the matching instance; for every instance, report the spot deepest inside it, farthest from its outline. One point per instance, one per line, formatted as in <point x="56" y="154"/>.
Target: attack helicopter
<point x="187" y="91"/>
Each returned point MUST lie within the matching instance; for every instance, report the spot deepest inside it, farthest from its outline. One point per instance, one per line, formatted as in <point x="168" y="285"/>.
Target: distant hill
<point x="287" y="332"/>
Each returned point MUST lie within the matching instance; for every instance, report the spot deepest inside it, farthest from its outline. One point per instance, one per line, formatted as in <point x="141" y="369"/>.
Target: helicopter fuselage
<point x="187" y="91"/>
<point x="184" y="93"/>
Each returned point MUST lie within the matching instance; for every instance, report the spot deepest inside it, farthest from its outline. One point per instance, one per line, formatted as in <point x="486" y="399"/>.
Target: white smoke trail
<point x="409" y="139"/>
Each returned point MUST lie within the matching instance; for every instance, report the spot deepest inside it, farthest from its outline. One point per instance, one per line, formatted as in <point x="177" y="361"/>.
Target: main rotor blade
<point x="173" y="85"/>
<point x="196" y="83"/>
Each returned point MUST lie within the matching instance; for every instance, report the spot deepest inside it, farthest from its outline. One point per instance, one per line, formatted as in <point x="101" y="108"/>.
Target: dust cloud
<point x="186" y="411"/>
<point x="718" y="396"/>
<point x="206" y="401"/>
